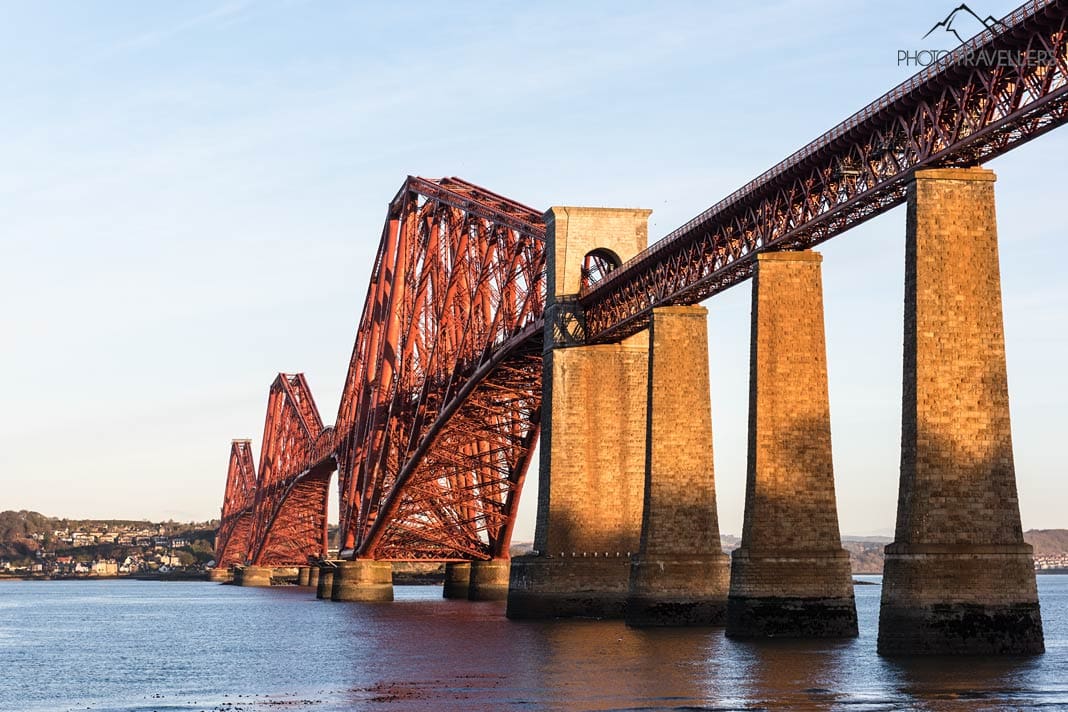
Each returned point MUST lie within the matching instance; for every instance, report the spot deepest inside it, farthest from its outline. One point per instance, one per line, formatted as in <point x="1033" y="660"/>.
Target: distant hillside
<point x="24" y="524"/>
<point x="1048" y="542"/>
<point x="26" y="535"/>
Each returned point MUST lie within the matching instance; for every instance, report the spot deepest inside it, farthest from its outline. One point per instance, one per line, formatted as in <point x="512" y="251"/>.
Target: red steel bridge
<point x="441" y="406"/>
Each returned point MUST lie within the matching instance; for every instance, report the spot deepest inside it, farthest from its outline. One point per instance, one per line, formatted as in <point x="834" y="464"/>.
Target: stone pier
<point x="221" y="575"/>
<point x="790" y="577"/>
<point x="489" y="580"/>
<point x="325" y="588"/>
<point x="362" y="580"/>
<point x="680" y="575"/>
<point x="313" y="576"/>
<point x="457" y="579"/>
<point x="958" y="578"/>
<point x="253" y="576"/>
<point x="285" y="574"/>
<point x="592" y="457"/>
<point x="303" y="575"/>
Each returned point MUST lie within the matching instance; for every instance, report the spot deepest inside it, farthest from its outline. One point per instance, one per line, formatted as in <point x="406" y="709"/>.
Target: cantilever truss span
<point x="232" y="538"/>
<point x="441" y="405"/>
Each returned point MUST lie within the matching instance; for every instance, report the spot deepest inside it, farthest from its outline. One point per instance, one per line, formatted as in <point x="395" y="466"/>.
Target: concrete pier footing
<point x="678" y="590"/>
<point x="489" y="580"/>
<point x="313" y="576"/>
<point x="959" y="578"/>
<point x="785" y="595"/>
<point x="303" y="574"/>
<point x="221" y="575"/>
<point x="790" y="577"/>
<point x="285" y="574"/>
<point x="363" y="580"/>
<point x="457" y="579"/>
<point x="253" y="576"/>
<point x="325" y="588"/>
<point x="680" y="575"/>
<point x="568" y="587"/>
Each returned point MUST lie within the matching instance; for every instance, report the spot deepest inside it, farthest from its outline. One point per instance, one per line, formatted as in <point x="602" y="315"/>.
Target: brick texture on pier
<point x="790" y="577"/>
<point x="681" y="575"/>
<point x="958" y="577"/>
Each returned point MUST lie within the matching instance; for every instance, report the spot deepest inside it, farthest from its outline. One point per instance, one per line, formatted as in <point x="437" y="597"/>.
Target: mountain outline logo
<point x="988" y="22"/>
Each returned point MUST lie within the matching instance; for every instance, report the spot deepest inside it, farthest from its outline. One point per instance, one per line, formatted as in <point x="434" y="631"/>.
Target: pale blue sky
<point x="191" y="195"/>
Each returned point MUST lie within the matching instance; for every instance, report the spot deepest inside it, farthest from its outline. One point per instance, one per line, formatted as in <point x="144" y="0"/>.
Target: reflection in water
<point x="204" y="647"/>
<point x="792" y="673"/>
<point x="663" y="668"/>
<point x="986" y="683"/>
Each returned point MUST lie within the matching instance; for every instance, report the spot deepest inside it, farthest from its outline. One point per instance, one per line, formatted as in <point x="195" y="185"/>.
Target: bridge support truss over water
<point x="472" y="320"/>
<point x="441" y="404"/>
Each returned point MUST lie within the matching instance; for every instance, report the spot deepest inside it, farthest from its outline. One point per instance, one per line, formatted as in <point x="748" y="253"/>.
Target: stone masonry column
<point x="790" y="577"/>
<point x="680" y="575"/>
<point x="489" y="580"/>
<point x="457" y="579"/>
<point x="592" y="456"/>
<point x="958" y="577"/>
<point x="313" y="576"/>
<point x="303" y="575"/>
<point x="363" y="580"/>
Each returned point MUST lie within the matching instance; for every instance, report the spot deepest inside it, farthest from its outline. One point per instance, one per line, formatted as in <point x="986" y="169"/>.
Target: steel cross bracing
<point x="442" y="401"/>
<point x="967" y="108"/>
<point x="441" y="407"/>
<point x="232" y="538"/>
<point x="289" y="512"/>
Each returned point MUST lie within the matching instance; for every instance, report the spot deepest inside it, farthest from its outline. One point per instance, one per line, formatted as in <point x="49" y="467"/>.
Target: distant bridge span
<point x="441" y="407"/>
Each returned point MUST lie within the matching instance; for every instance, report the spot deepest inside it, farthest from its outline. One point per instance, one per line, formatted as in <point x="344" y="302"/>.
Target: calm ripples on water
<point x="129" y="645"/>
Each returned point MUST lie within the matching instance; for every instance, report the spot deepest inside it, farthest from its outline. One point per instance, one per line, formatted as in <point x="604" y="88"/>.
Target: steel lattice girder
<point x="959" y="112"/>
<point x="232" y="538"/>
<point x="442" y="401"/>
<point x="289" y="515"/>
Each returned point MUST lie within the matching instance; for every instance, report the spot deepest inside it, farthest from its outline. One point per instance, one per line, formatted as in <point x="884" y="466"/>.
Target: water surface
<point x="145" y="646"/>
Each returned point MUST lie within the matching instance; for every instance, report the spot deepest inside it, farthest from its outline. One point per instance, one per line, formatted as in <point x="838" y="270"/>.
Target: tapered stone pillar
<point x="457" y="579"/>
<point x="254" y="576"/>
<point x="303" y="575"/>
<point x="958" y="577"/>
<point x="363" y="580"/>
<point x="325" y="589"/>
<point x="313" y="576"/>
<point x="592" y="461"/>
<point x="790" y="577"/>
<point x="680" y="575"/>
<point x="489" y="580"/>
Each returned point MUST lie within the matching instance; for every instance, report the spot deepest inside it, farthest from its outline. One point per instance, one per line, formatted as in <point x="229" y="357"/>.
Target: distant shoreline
<point x="402" y="579"/>
<point x="181" y="576"/>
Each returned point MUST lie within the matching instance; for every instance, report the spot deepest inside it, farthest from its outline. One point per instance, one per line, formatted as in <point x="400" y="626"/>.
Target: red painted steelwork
<point x="289" y="515"/>
<point x="441" y="407"/>
<point x="443" y="394"/>
<point x="232" y="538"/>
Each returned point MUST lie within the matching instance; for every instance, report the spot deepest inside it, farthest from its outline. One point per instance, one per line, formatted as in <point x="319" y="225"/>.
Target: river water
<point x="144" y="646"/>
